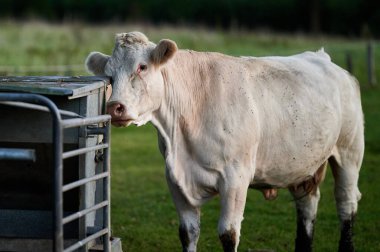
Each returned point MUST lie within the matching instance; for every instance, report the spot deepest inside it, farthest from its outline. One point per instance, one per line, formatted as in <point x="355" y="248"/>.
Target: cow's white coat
<point x="226" y="123"/>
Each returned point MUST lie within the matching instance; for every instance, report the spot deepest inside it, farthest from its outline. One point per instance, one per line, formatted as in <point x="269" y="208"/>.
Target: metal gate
<point x="94" y="126"/>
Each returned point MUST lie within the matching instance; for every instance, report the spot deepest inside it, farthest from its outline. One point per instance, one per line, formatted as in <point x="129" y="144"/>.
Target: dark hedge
<point x="344" y="17"/>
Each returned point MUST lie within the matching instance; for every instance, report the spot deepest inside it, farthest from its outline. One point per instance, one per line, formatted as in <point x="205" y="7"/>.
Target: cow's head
<point x="138" y="85"/>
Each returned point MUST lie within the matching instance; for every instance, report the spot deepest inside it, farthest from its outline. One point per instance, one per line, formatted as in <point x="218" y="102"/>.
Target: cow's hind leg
<point x="345" y="167"/>
<point x="189" y="218"/>
<point x="306" y="206"/>
<point x="306" y="196"/>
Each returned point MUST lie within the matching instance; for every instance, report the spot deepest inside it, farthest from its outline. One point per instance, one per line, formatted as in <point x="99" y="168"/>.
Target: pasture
<point x="143" y="214"/>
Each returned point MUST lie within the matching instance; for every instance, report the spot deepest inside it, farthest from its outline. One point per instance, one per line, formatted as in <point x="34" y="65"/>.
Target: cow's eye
<point x="141" y="68"/>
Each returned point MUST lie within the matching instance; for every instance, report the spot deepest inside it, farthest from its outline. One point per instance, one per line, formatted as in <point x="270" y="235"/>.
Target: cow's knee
<point x="347" y="198"/>
<point x="232" y="203"/>
<point x="189" y="234"/>
<point x="189" y="228"/>
<point x="347" y="194"/>
<point x="229" y="240"/>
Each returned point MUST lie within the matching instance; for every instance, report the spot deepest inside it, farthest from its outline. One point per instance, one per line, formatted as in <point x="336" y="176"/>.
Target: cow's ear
<point x="164" y="51"/>
<point x="96" y="62"/>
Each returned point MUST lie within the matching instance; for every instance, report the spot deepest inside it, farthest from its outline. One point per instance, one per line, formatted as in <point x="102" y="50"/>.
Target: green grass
<point x="143" y="214"/>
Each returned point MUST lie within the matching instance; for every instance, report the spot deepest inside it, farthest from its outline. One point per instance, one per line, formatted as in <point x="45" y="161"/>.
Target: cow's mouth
<point x="121" y="122"/>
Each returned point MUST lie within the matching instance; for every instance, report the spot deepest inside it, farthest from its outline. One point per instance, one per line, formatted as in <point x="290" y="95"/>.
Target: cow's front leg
<point x="189" y="227"/>
<point x="189" y="218"/>
<point x="307" y="205"/>
<point x="232" y="199"/>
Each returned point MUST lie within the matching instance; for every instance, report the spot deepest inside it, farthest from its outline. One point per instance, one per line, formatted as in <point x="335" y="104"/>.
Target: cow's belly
<point x="297" y="134"/>
<point x="294" y="158"/>
<point x="284" y="176"/>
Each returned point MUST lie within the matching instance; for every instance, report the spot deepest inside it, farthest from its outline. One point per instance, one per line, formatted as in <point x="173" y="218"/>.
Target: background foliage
<point x="347" y="17"/>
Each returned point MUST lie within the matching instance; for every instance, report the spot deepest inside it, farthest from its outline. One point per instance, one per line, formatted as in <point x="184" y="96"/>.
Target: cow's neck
<point x="187" y="88"/>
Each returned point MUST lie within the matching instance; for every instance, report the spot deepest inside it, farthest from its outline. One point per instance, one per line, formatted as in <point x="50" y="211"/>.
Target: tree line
<point x="343" y="17"/>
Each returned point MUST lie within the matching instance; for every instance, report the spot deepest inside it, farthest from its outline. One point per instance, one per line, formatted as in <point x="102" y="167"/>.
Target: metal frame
<point x="59" y="125"/>
<point x="17" y="154"/>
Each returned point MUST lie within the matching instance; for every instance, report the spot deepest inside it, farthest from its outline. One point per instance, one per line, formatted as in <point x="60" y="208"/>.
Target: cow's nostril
<point x="116" y="109"/>
<point x="120" y="108"/>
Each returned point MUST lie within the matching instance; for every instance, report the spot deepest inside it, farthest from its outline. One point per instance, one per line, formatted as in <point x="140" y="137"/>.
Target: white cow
<point x="226" y="124"/>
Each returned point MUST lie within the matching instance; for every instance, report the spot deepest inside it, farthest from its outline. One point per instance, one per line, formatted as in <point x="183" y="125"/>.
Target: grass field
<point x="143" y="214"/>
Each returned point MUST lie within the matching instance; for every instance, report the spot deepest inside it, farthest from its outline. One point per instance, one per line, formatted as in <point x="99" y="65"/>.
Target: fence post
<point x="349" y="62"/>
<point x="371" y="64"/>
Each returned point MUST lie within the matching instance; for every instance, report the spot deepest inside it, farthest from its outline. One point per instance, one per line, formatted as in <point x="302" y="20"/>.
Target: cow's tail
<point x="321" y="52"/>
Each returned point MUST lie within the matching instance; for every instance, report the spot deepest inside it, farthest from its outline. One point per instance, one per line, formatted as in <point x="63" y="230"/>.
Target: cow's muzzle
<point x="118" y="113"/>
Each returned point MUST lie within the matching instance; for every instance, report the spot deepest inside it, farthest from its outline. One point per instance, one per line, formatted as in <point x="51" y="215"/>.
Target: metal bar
<point x="17" y="154"/>
<point x="86" y="240"/>
<point x="83" y="212"/>
<point x="349" y="64"/>
<point x="84" y="181"/>
<point x="80" y="151"/>
<point x="107" y="188"/>
<point x="95" y="131"/>
<point x="57" y="160"/>
<point x="38" y="107"/>
<point x="76" y="122"/>
<point x="58" y="179"/>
